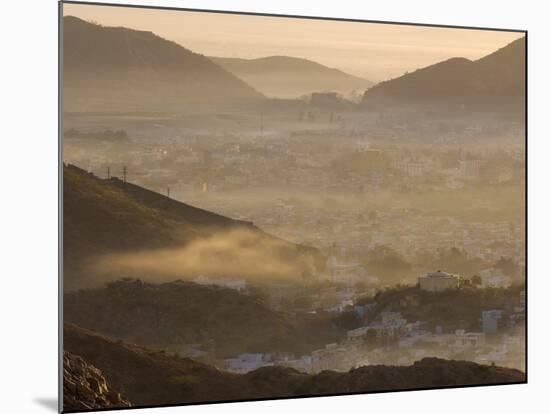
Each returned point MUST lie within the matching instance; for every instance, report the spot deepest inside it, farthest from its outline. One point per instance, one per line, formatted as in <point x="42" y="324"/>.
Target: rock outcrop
<point x="85" y="388"/>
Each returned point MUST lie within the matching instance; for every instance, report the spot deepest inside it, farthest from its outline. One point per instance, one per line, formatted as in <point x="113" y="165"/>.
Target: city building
<point x="248" y="362"/>
<point x="236" y="284"/>
<point x="468" y="339"/>
<point x="438" y="281"/>
<point x="489" y="321"/>
<point x="492" y="278"/>
<point x="469" y="169"/>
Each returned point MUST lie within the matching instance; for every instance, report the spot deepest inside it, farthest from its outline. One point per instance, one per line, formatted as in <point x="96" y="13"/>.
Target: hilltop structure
<point x="438" y="281"/>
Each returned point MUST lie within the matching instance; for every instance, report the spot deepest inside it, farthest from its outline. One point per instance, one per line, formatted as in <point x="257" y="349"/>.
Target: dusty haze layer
<point x="241" y="196"/>
<point x="371" y="50"/>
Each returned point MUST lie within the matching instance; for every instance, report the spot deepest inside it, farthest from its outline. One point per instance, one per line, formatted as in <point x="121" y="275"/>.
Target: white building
<point x="411" y="168"/>
<point x="469" y="169"/>
<point x="468" y="339"/>
<point x="248" y="362"/>
<point x="496" y="281"/>
<point x="492" y="278"/>
<point x="236" y="284"/>
<point x="438" y="281"/>
<point x="303" y="363"/>
<point x="489" y="321"/>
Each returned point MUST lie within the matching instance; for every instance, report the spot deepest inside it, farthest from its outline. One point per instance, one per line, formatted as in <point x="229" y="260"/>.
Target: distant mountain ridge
<point x="290" y="77"/>
<point x="121" y="69"/>
<point x="491" y="79"/>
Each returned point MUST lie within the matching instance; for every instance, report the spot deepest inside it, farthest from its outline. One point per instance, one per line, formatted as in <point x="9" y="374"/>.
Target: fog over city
<point x="345" y="194"/>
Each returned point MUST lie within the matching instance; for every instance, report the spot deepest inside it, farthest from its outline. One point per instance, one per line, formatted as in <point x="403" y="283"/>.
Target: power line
<point x="261" y="124"/>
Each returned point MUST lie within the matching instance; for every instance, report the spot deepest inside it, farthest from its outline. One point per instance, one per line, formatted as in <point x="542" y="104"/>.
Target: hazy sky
<point x="374" y="51"/>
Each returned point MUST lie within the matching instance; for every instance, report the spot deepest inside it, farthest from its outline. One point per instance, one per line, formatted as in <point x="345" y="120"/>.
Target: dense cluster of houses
<point x="356" y="230"/>
<point x="331" y="157"/>
<point x="391" y="339"/>
<point x="194" y="165"/>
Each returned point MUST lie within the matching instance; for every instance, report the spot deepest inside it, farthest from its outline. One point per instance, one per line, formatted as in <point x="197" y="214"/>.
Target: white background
<point x="28" y="171"/>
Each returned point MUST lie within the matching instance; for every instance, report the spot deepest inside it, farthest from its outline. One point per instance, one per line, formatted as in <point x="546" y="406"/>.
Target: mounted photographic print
<point x="261" y="206"/>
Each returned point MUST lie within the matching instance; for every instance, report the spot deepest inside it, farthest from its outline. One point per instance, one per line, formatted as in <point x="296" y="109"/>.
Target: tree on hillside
<point x="386" y="262"/>
<point x="507" y="266"/>
<point x="452" y="260"/>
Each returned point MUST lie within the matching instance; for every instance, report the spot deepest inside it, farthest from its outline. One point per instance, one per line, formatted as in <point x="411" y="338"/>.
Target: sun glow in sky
<point x="372" y="50"/>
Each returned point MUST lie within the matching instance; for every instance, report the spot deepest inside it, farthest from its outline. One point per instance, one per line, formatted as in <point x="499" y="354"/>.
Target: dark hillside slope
<point x="149" y="377"/>
<point x="117" y="69"/>
<point x="503" y="71"/>
<point x="109" y="216"/>
<point x="169" y="315"/>
<point x="291" y="77"/>
<point x="496" y="80"/>
<point x="450" y="78"/>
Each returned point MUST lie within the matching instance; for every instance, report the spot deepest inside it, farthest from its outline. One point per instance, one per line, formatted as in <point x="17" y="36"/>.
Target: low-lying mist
<point x="236" y="254"/>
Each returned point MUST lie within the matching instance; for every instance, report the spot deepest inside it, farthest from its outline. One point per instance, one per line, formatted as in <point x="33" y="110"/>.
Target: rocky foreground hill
<point x="150" y="377"/>
<point x="85" y="388"/>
